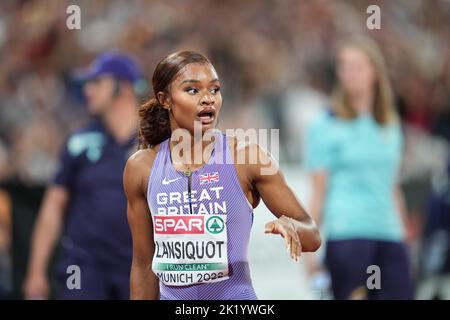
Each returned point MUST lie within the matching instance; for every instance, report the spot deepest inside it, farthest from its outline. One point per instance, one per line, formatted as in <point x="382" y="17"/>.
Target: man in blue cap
<point x="86" y="203"/>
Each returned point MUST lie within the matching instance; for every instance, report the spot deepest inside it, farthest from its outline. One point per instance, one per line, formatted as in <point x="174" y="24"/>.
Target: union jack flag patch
<point x="209" y="177"/>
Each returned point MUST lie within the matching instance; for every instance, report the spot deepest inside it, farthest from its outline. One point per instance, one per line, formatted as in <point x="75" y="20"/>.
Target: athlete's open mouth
<point x="207" y="115"/>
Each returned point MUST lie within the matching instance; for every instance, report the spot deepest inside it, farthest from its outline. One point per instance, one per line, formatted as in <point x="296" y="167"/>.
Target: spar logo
<point x="215" y="225"/>
<point x="179" y="225"/>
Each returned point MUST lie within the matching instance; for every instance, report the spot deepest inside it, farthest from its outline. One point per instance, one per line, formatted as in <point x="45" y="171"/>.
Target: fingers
<point x="288" y="232"/>
<point x="276" y="227"/>
<point x="298" y="244"/>
<point x="294" y="253"/>
<point x="269" y="227"/>
<point x="287" y="242"/>
<point x="288" y="245"/>
<point x="294" y="246"/>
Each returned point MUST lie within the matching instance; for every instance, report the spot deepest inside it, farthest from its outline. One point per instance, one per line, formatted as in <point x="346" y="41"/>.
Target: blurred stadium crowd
<point x="276" y="62"/>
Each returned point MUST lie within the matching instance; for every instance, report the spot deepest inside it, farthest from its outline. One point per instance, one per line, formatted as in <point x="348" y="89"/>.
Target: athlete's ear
<point x="164" y="99"/>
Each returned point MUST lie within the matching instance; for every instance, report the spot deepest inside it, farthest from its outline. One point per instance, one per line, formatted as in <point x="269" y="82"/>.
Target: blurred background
<point x="276" y="63"/>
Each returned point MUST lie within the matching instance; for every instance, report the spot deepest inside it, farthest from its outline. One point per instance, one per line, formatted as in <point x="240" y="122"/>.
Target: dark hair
<point x="154" y="125"/>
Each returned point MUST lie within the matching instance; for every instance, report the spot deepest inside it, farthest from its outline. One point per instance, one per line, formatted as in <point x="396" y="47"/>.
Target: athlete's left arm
<point x="293" y="223"/>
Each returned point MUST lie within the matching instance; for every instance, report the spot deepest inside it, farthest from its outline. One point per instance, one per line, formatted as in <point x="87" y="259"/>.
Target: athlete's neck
<point x="190" y="155"/>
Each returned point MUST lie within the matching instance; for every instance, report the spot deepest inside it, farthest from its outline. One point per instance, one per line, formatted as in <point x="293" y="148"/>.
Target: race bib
<point x="190" y="249"/>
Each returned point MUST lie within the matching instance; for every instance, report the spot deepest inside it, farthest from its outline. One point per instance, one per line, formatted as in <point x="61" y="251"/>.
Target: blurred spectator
<point x="353" y="153"/>
<point x="86" y="203"/>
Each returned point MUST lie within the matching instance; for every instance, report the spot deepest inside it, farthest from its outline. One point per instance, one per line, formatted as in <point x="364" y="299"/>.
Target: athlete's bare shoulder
<point x="243" y="151"/>
<point x="143" y="157"/>
<point x="243" y="155"/>
<point x="138" y="168"/>
<point x="251" y="157"/>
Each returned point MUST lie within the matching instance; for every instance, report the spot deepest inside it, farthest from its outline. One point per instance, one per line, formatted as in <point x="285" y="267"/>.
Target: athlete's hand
<point x="285" y="227"/>
<point x="36" y="287"/>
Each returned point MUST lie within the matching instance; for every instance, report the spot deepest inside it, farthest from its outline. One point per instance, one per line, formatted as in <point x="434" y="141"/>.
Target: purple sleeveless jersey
<point x="201" y="228"/>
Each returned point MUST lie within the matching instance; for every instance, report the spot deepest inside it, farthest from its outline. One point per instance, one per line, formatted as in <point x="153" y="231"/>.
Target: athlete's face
<point x="99" y="94"/>
<point x="195" y="97"/>
<point x="355" y="71"/>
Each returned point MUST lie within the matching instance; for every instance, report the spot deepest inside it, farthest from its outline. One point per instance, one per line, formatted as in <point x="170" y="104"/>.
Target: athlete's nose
<point x="207" y="99"/>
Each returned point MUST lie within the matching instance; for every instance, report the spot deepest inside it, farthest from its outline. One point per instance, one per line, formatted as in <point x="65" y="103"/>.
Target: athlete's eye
<point x="215" y="90"/>
<point x="192" y="90"/>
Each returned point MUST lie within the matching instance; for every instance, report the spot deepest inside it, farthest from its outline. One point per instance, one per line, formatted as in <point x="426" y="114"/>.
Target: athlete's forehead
<point x="196" y="72"/>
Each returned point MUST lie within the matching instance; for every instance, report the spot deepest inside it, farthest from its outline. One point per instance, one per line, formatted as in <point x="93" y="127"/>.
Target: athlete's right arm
<point x="46" y="232"/>
<point x="144" y="284"/>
